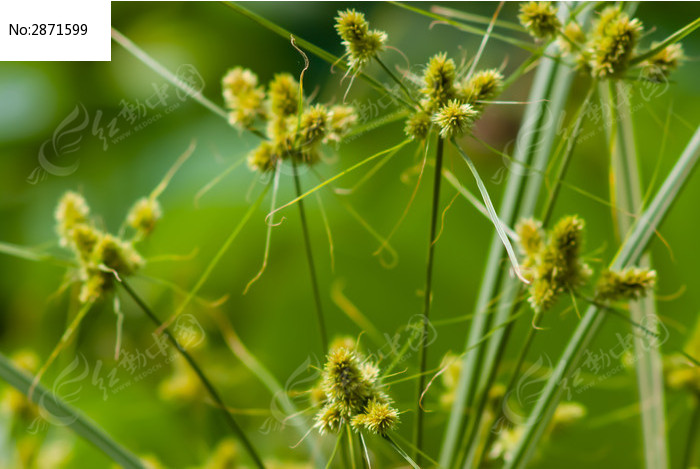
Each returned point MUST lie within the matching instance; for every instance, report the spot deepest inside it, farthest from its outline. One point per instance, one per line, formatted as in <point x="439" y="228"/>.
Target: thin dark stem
<point x="423" y="358"/>
<point x="397" y="80"/>
<point x="200" y="374"/>
<point x="692" y="434"/>
<point x="310" y="260"/>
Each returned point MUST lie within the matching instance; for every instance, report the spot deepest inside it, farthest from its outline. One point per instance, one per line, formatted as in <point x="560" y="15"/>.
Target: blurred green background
<point x="276" y="318"/>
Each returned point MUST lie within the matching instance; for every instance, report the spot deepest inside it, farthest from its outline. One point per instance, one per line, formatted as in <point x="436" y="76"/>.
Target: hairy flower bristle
<point x="243" y="97"/>
<point x="454" y="118"/>
<point x="628" y="284"/>
<point x="315" y="125"/>
<point x="540" y="19"/>
<point x="361" y="44"/>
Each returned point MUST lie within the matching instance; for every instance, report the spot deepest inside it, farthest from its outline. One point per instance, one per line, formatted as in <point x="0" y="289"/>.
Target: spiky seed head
<point x="330" y="419"/>
<point x="283" y="95"/>
<point x="344" y="382"/>
<point x="315" y="125"/>
<point x="418" y="125"/>
<point x="144" y="214"/>
<point x="83" y="240"/>
<point x="612" y="45"/>
<point x="660" y="66"/>
<point x="370" y="372"/>
<point x="539" y="18"/>
<point x="361" y="44"/>
<point x="542" y="294"/>
<point x="439" y="80"/>
<point x="454" y="118"/>
<point x="72" y="210"/>
<point x="628" y="284"/>
<point x="482" y="86"/>
<point x="342" y="120"/>
<point x="117" y="255"/>
<point x="243" y="97"/>
<point x="565" y="245"/>
<point x="531" y="236"/>
<point x="262" y="158"/>
<point x="378" y="418"/>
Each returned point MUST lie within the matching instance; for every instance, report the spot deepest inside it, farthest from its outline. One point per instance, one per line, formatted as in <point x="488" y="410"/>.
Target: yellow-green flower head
<point x="379" y="418"/>
<point x="439" y="80"/>
<point x="454" y="118"/>
<point x="263" y="157"/>
<point x="660" y="66"/>
<point x="482" y="86"/>
<point x="14" y="402"/>
<point x="613" y="43"/>
<point x="539" y="18"/>
<point x="567" y="414"/>
<point x="418" y="125"/>
<point x="283" y="95"/>
<point x="182" y="385"/>
<point x="344" y="382"/>
<point x="113" y="254"/>
<point x="83" y="240"/>
<point x="573" y="33"/>
<point x="531" y="236"/>
<point x="542" y="294"/>
<point x="628" y="284"/>
<point x="315" y="125"/>
<point x="342" y="119"/>
<point x="564" y="251"/>
<point x="144" y="214"/>
<point x="243" y="97"/>
<point x="72" y="210"/>
<point x="361" y="44"/>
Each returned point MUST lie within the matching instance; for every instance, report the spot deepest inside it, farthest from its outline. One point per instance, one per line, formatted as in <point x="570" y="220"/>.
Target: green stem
<point x="692" y="435"/>
<point x="310" y="260"/>
<point x="423" y="355"/>
<point x="200" y="374"/>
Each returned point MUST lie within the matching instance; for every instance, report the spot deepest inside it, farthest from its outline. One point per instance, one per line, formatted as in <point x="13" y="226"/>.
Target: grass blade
<point x="627" y="185"/>
<point x="68" y="416"/>
<point x="672" y="39"/>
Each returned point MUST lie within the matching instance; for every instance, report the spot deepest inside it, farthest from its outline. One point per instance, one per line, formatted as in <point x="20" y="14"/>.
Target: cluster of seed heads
<point x="350" y="393"/>
<point x="553" y="264"/>
<point x="361" y="43"/>
<point x="607" y="49"/>
<point x="450" y="102"/>
<point x="99" y="254"/>
<point x="290" y="132"/>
